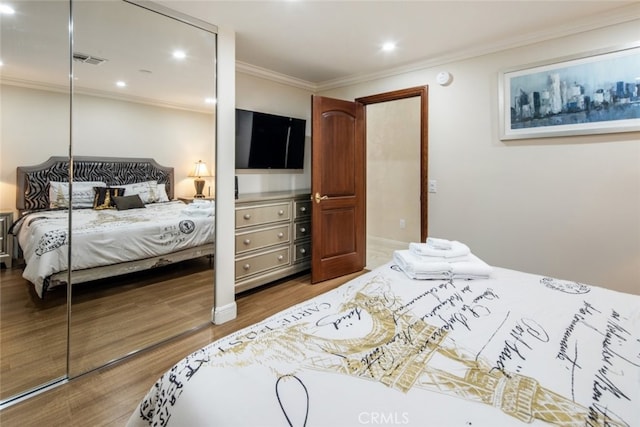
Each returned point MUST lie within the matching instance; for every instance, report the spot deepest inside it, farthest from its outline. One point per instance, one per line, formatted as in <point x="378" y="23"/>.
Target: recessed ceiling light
<point x="120" y="83"/>
<point x="6" y="9"/>
<point x="179" y="54"/>
<point x="388" y="46"/>
<point x="210" y="101"/>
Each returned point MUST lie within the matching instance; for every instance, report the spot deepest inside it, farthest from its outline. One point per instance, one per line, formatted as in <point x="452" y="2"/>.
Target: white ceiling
<point x="315" y="44"/>
<point x="324" y="42"/>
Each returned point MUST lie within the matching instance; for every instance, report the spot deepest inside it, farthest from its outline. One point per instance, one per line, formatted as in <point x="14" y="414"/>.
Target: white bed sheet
<point x="514" y="349"/>
<point x="106" y="237"/>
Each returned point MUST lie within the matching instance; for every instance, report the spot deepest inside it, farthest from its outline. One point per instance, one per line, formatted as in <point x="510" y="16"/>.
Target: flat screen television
<point x="269" y="141"/>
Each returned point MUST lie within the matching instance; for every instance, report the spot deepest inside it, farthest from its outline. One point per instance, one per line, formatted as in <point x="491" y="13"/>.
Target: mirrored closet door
<point x="60" y="97"/>
<point x="143" y="88"/>
<point x="35" y="115"/>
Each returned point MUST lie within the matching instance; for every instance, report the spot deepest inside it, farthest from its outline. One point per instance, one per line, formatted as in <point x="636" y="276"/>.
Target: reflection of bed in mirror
<point x="124" y="220"/>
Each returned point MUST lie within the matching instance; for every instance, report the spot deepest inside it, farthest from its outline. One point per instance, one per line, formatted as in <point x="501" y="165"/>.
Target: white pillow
<point x="83" y="194"/>
<point x="148" y="191"/>
<point x="162" y="193"/>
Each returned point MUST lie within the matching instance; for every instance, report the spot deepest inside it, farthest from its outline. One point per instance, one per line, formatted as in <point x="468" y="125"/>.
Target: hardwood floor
<point x="109" y="318"/>
<point x="109" y="395"/>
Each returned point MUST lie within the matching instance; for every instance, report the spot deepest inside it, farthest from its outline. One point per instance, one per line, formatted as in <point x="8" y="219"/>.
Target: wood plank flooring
<point x="109" y="395"/>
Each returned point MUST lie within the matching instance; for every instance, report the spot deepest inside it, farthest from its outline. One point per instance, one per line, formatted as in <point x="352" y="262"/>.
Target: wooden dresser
<point x="273" y="237"/>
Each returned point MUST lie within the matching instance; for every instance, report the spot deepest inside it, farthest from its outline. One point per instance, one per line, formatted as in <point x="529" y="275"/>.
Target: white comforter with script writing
<point x="515" y="349"/>
<point x="106" y="237"/>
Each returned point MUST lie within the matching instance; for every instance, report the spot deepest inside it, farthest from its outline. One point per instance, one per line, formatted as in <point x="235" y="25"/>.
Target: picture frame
<point x="591" y="93"/>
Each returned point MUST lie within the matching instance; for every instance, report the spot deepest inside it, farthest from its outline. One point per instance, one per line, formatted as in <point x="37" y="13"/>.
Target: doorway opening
<point x="396" y="171"/>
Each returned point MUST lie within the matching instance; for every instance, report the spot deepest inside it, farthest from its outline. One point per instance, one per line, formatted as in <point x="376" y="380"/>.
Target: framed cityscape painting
<point x="592" y="93"/>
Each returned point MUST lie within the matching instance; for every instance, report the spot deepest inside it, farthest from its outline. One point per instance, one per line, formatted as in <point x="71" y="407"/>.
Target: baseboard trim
<point x="220" y="315"/>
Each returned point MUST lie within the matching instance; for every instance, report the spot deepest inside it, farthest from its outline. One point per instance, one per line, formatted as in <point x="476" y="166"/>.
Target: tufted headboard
<point x="33" y="181"/>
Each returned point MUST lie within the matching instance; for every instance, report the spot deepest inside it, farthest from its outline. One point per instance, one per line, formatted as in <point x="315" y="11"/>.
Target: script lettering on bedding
<point x="523" y="335"/>
<point x="342" y="320"/>
<point x="583" y="316"/>
<point x="613" y="365"/>
<point x="156" y="407"/>
<point x="274" y="325"/>
<point x="418" y="345"/>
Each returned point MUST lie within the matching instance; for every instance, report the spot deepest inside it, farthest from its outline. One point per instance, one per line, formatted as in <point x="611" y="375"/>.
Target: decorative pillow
<point x="148" y="191"/>
<point x="82" y="196"/>
<point x="128" y="202"/>
<point x="162" y="193"/>
<point x="103" y="197"/>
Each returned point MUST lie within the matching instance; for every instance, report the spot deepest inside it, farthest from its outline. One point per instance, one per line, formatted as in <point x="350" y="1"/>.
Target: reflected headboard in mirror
<point x="33" y="181"/>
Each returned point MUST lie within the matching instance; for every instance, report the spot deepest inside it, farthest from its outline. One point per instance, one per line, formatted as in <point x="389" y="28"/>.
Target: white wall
<point x="259" y="94"/>
<point x="173" y="137"/>
<point x="35" y="126"/>
<point x="565" y="207"/>
<point x="393" y="161"/>
<point x="225" y="308"/>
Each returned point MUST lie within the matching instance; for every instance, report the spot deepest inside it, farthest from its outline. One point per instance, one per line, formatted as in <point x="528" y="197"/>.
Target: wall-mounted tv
<point x="269" y="141"/>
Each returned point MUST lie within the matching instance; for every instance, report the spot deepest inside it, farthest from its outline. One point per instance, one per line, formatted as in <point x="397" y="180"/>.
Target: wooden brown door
<point x="337" y="188"/>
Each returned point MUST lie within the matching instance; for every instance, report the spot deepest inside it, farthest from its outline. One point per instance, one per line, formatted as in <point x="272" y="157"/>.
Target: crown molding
<point x="617" y="16"/>
<point x="57" y="88"/>
<point x="264" y="73"/>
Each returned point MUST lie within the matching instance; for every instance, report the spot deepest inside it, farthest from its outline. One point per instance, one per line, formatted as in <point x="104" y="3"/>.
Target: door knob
<point x="317" y="197"/>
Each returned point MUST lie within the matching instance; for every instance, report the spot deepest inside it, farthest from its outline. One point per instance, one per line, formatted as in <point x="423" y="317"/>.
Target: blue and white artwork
<point x="584" y="94"/>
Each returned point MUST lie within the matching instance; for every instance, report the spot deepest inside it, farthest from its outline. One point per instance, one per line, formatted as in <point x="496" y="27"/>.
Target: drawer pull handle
<point x="280" y="235"/>
<point x="280" y="212"/>
<point x="247" y="216"/>
<point x="280" y="257"/>
<point x="247" y="241"/>
<point x="303" y="230"/>
<point x="303" y="251"/>
<point x="246" y="267"/>
<point x="303" y="209"/>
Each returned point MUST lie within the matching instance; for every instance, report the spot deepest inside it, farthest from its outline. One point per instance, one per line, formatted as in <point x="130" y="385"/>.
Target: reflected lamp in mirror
<point x="199" y="171"/>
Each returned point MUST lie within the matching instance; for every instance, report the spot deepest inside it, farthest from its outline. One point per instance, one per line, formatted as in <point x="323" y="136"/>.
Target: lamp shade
<point x="200" y="170"/>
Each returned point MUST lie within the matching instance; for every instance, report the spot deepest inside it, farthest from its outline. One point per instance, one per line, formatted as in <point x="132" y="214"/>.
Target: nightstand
<point x="191" y="199"/>
<point x="6" y="241"/>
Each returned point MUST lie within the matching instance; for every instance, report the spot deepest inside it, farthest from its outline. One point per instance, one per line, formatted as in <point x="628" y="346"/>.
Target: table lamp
<point x="200" y="170"/>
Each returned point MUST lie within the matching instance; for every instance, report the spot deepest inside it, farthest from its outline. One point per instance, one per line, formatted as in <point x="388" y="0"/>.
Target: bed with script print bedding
<point x="108" y="237"/>
<point x="123" y="219"/>
<point x="383" y="349"/>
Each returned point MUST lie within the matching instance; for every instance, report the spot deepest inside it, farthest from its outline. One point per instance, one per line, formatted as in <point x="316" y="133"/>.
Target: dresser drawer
<point x="302" y="252"/>
<point x="250" y="240"/>
<point x="262" y="262"/>
<point x="301" y="209"/>
<point x="301" y="230"/>
<point x="262" y="214"/>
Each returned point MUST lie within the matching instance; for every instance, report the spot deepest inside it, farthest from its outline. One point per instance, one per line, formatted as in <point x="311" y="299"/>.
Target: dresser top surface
<point x="271" y="195"/>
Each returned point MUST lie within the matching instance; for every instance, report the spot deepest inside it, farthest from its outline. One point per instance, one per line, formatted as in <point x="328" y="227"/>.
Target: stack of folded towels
<point x="441" y="259"/>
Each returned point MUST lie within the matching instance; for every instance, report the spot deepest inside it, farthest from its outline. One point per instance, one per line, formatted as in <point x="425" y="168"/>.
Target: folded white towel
<point x="436" y="243"/>
<point x="475" y="268"/>
<point x="415" y="267"/>
<point x="457" y="250"/>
